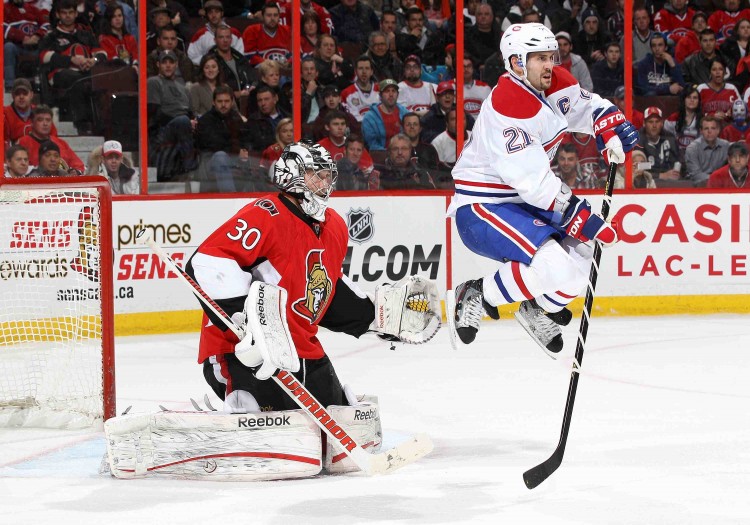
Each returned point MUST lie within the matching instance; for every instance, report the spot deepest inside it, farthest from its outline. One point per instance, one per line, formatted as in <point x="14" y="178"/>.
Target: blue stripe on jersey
<point x="503" y="290"/>
<point x="553" y="301"/>
<point x="486" y="194"/>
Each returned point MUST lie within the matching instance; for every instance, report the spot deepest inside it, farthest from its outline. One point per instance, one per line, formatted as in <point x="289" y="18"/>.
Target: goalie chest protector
<point x="278" y="244"/>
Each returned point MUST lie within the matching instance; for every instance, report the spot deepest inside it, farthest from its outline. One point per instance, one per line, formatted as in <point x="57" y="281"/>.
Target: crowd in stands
<point x="378" y="86"/>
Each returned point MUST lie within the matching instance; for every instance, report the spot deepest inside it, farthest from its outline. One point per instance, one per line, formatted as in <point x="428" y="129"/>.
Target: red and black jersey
<point x="58" y="47"/>
<point x="271" y="240"/>
<point x="125" y="48"/>
<point x="260" y="45"/>
<point x="20" y="22"/>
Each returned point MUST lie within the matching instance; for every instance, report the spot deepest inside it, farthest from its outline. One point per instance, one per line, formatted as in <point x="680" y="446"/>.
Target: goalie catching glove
<point x="408" y="310"/>
<point x="615" y="136"/>
<point x="267" y="343"/>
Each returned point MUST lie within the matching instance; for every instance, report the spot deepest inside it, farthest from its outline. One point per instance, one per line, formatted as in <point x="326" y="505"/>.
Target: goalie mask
<point x="307" y="171"/>
<point x="522" y="39"/>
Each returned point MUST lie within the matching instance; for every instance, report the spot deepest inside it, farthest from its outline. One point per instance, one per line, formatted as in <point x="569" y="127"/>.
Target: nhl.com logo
<point x="360" y="225"/>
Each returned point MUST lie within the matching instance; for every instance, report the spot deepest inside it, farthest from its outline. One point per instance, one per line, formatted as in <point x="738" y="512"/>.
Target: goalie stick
<point x="536" y="475"/>
<point x="381" y="463"/>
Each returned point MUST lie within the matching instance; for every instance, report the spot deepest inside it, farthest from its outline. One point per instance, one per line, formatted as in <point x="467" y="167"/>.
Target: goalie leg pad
<point x="214" y="446"/>
<point x="362" y="423"/>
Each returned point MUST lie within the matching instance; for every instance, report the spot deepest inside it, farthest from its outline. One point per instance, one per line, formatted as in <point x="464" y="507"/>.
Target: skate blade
<point x="522" y="321"/>
<point x="450" y="313"/>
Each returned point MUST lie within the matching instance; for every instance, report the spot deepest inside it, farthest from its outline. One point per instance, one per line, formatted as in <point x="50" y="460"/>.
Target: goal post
<point x="57" y="367"/>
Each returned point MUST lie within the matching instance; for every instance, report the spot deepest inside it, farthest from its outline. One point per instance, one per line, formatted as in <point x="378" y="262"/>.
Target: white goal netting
<point x="51" y="317"/>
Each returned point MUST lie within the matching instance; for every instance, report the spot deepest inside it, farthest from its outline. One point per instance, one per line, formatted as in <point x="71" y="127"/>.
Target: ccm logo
<point x="609" y="121"/>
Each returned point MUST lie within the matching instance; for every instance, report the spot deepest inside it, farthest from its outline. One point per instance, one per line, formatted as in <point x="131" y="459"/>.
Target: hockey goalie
<point x="276" y="269"/>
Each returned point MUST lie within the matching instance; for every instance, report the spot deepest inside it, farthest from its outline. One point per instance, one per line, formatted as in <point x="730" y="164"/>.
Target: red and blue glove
<point x="580" y="223"/>
<point x="615" y="136"/>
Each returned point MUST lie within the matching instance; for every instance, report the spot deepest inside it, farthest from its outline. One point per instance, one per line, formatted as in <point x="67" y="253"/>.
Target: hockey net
<point x="56" y="305"/>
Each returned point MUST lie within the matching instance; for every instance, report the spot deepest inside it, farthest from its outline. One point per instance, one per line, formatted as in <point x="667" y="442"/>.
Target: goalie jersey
<point x="515" y="137"/>
<point x="271" y="240"/>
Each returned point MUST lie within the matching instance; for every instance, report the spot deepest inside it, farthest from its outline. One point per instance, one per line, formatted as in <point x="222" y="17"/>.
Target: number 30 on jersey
<point x="249" y="237"/>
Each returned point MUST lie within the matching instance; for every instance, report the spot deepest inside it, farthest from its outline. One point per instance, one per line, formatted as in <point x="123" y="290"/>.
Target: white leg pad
<point x="362" y="423"/>
<point x="214" y="445"/>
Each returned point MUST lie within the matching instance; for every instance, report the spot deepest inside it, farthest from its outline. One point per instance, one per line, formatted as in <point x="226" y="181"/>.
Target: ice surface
<point x="660" y="435"/>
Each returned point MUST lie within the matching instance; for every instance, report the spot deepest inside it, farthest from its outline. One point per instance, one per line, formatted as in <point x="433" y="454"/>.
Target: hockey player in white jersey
<point x="508" y="204"/>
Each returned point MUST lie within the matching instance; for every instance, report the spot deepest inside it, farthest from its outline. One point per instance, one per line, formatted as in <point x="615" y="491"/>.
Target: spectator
<point x="475" y="91"/>
<point x="50" y="163"/>
<point x="690" y="43"/>
<point x="270" y="74"/>
<point x="591" y="40"/>
<point x="311" y="31"/>
<point x="306" y="7"/>
<point x="284" y="137"/>
<point x="588" y="154"/>
<point x="684" y="124"/>
<point x="642" y="34"/>
<point x="572" y="62"/>
<point x="385" y="64"/>
<point x="71" y="51"/>
<point x="205" y="38"/>
<point x="619" y="100"/>
<point x="167" y="41"/>
<point x="388" y="27"/>
<point x="41" y="131"/>
<point x="332" y="67"/>
<point x="674" y="20"/>
<point x="114" y="38"/>
<point x="24" y="28"/>
<point x="363" y="93"/>
<point x="128" y="13"/>
<point x="434" y="121"/>
<point x="332" y="101"/>
<point x="416" y="39"/>
<point x="492" y="69"/>
<point x="400" y="171"/>
<point x="658" y="74"/>
<point x="570" y="21"/>
<point x="424" y="152"/>
<point x="17" y="115"/>
<point x="723" y="21"/>
<point x="734" y="51"/>
<point x="353" y="20"/>
<point x="16" y="162"/>
<point x="174" y="14"/>
<point x="383" y="121"/>
<point x="697" y="68"/>
<point x="642" y="178"/>
<point x="437" y="12"/>
<point x="616" y="22"/>
<point x="737" y="130"/>
<point x="734" y="174"/>
<point x="159" y="20"/>
<point x="351" y="175"/>
<point x="311" y="92"/>
<point x="268" y="40"/>
<point x="716" y="95"/>
<point x="202" y="91"/>
<point x="569" y="171"/>
<point x="445" y="143"/>
<point x="170" y="122"/>
<point x="335" y="140"/>
<point x="707" y="153"/>
<point x="235" y="69"/>
<point x="108" y="161"/>
<point x="263" y="122"/>
<point x="515" y="14"/>
<point x="660" y="149"/>
<point x="415" y="94"/>
<point x="483" y="38"/>
<point x="609" y="73"/>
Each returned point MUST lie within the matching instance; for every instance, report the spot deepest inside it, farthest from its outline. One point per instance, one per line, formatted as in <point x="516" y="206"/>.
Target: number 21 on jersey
<point x="518" y="139"/>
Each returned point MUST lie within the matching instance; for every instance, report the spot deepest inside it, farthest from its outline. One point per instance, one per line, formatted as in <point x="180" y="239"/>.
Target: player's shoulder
<point x="561" y="79"/>
<point x="253" y="28"/>
<point x="512" y="100"/>
<point x="336" y="221"/>
<point x="264" y="210"/>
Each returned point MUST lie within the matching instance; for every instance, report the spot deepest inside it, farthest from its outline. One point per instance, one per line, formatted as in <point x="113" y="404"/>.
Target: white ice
<point x="660" y="435"/>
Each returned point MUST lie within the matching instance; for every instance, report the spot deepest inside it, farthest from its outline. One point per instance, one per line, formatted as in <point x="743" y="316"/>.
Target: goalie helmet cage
<point x="57" y="366"/>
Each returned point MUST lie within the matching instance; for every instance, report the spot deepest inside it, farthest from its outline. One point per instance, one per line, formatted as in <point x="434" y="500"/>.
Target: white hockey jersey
<point x="507" y="158"/>
<point x="417" y="99"/>
<point x="474" y="94"/>
<point x="356" y="102"/>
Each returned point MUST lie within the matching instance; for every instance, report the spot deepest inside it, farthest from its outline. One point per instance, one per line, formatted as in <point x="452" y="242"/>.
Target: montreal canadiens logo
<point x="564" y="105"/>
<point x="360" y="225"/>
<point x="537" y="222"/>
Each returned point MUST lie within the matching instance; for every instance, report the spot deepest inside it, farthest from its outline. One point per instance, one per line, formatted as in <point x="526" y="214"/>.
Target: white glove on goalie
<point x="408" y="310"/>
<point x="267" y="342"/>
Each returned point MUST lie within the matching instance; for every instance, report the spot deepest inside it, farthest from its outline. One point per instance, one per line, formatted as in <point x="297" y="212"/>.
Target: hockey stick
<point x="381" y="463"/>
<point x="534" y="476"/>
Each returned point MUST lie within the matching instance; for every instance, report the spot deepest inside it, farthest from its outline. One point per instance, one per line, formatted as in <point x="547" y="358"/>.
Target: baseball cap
<point x="413" y="58"/>
<point x="112" y="147"/>
<point x="46" y="146"/>
<point x="330" y="89"/>
<point x="167" y="54"/>
<point x="21" y="84"/>
<point x="213" y="4"/>
<point x="737" y="147"/>
<point x="445" y="85"/>
<point x="652" y="111"/>
<point x="565" y="35"/>
<point x="620" y="92"/>
<point x="158" y="10"/>
<point x="386" y="83"/>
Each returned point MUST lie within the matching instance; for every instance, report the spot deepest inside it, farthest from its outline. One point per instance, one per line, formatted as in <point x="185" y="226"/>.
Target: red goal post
<point x="57" y="365"/>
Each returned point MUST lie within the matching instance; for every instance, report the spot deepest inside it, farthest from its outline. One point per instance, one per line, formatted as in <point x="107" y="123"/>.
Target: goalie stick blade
<point x="535" y="476"/>
<point x="450" y="315"/>
<point x="400" y="456"/>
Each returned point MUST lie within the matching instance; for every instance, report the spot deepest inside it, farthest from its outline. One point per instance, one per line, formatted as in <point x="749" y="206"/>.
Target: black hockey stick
<point x="535" y="476"/>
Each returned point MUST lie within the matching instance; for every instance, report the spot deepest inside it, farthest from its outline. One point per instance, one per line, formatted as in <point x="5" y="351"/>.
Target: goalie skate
<point x="464" y="309"/>
<point x="543" y="328"/>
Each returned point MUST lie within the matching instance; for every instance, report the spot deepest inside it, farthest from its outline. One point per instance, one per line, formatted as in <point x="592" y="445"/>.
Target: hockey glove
<point x="580" y="223"/>
<point x="615" y="136"/>
<point x="408" y="311"/>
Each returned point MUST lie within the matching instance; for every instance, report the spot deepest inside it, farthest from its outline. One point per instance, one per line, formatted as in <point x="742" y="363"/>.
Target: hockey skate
<point x="543" y="327"/>
<point x="464" y="309"/>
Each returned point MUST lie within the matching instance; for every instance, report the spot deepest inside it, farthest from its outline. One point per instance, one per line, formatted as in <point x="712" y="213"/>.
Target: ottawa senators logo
<point x="87" y="260"/>
<point x="318" y="289"/>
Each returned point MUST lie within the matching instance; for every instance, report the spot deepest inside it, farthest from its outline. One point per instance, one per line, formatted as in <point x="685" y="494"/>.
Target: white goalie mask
<point x="307" y="171"/>
<point x="521" y="39"/>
